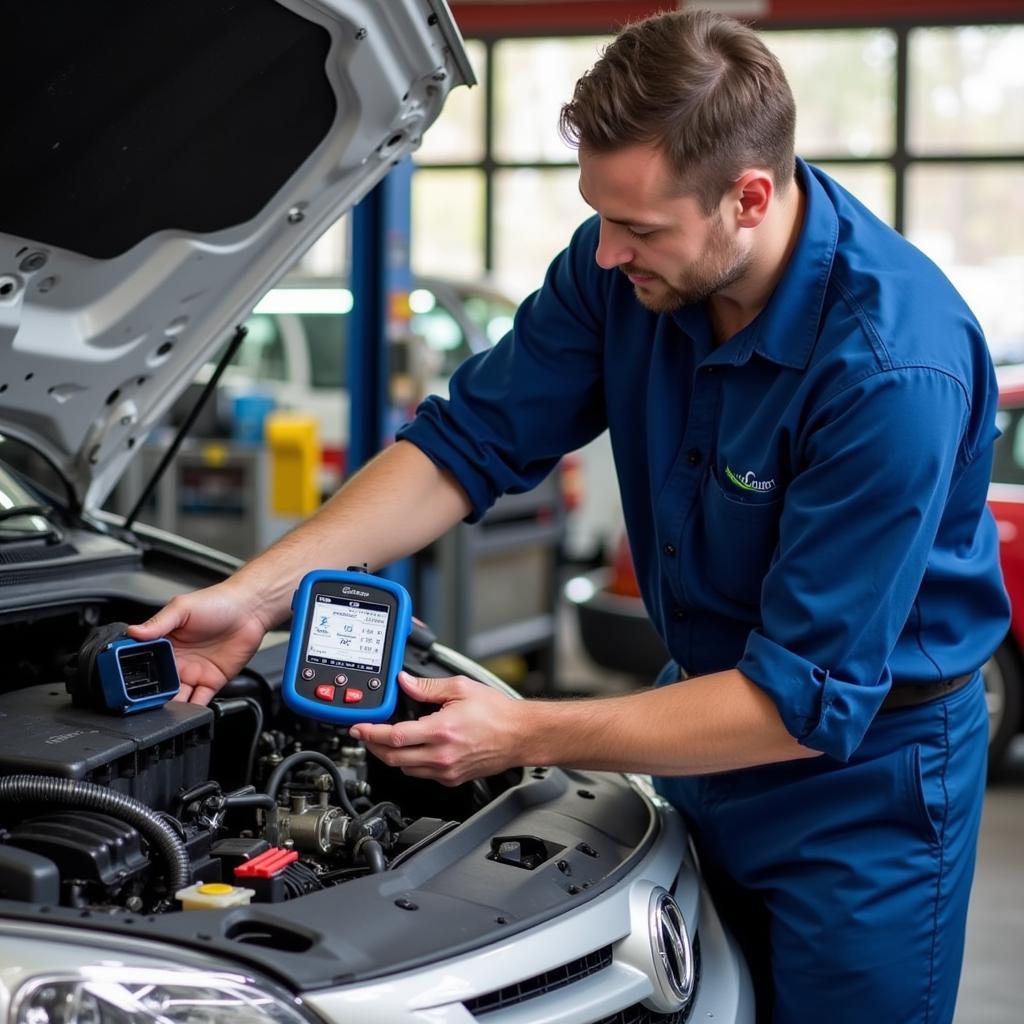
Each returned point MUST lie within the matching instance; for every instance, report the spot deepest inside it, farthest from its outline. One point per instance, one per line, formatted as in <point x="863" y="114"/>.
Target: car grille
<point x="639" y="1014"/>
<point x="574" y="971"/>
<point x="538" y="985"/>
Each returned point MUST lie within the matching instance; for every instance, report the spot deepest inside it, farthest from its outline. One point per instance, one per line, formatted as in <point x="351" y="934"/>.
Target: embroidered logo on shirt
<point x="749" y="482"/>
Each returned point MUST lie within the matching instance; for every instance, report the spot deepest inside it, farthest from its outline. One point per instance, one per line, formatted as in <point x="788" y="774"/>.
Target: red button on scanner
<point x="325" y="691"/>
<point x="353" y="696"/>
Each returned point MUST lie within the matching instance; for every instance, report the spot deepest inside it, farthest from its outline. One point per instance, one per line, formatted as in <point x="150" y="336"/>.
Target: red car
<point x="617" y="634"/>
<point x="1004" y="673"/>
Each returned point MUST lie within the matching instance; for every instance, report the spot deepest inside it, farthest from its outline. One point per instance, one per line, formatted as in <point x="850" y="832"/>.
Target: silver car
<point x="235" y="864"/>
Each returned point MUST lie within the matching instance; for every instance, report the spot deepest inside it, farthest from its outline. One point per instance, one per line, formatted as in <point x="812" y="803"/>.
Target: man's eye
<point x="638" y="234"/>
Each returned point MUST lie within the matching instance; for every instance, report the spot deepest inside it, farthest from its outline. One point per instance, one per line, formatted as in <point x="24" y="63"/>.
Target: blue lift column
<point x="381" y="281"/>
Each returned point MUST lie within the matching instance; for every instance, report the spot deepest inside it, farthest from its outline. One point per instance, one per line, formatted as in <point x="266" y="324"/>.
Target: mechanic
<point x="801" y="409"/>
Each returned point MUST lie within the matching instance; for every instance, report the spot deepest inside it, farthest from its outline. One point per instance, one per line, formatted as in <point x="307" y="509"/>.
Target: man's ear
<point x="749" y="198"/>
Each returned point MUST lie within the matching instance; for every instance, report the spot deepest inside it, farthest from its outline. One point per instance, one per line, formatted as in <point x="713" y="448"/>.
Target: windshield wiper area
<point x="12" y="531"/>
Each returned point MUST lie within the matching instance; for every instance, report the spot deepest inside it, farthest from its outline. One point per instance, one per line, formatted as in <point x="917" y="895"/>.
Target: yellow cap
<point x="215" y="889"/>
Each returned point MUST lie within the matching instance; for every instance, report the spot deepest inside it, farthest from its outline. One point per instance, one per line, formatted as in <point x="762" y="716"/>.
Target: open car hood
<point x="164" y="163"/>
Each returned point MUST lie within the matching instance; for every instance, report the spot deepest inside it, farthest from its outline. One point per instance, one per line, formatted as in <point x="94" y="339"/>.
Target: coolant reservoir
<point x="213" y="896"/>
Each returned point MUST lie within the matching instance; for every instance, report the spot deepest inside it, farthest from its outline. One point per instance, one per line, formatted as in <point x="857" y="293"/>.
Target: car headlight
<point x="118" y="994"/>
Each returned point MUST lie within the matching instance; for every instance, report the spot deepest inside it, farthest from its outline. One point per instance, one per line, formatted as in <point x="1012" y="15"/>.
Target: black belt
<point x="911" y="695"/>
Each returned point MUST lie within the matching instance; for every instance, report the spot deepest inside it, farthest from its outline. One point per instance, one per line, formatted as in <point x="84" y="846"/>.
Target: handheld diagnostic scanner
<point x="346" y="647"/>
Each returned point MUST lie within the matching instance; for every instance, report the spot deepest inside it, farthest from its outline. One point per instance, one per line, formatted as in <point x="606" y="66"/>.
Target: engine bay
<point x="120" y="812"/>
<point x="326" y="865"/>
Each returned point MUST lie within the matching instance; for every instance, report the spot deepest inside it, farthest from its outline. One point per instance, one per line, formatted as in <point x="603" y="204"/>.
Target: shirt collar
<point x="786" y="329"/>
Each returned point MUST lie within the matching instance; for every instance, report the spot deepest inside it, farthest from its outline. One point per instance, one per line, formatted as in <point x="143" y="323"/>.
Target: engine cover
<point x="151" y="756"/>
<point x="84" y="845"/>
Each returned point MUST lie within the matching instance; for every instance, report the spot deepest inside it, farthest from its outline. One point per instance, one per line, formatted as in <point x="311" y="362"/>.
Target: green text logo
<point x="749" y="482"/>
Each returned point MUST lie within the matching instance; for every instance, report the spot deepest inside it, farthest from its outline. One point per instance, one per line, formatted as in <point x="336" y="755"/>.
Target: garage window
<point x="921" y="123"/>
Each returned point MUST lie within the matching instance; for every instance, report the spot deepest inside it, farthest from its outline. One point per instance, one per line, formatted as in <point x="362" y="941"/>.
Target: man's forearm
<point x="709" y="724"/>
<point x="395" y="505"/>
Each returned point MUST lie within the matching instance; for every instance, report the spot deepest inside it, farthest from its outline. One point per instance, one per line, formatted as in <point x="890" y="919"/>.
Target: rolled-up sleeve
<point x="513" y="411"/>
<point x="859" y="521"/>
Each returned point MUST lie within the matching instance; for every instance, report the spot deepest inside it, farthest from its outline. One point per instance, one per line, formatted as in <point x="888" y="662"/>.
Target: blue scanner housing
<point x="347" y="645"/>
<point x="136" y="675"/>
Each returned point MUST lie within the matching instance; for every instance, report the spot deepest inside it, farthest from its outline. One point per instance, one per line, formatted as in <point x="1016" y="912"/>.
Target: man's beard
<point x="720" y="265"/>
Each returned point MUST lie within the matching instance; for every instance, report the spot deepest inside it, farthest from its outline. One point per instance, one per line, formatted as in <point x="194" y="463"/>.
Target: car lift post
<point x="381" y="281"/>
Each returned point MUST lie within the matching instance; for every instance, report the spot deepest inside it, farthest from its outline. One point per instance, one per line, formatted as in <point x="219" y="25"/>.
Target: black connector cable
<point x="232" y="705"/>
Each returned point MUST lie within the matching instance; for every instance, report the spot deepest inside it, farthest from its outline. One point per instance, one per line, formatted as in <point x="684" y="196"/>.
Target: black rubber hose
<point x="44" y="789"/>
<point x="378" y="821"/>
<point x="373" y="853"/>
<point x="264" y="802"/>
<point x="301" y="757"/>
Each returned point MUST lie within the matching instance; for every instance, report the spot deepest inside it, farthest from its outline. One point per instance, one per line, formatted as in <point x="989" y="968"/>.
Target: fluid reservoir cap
<point x="213" y="896"/>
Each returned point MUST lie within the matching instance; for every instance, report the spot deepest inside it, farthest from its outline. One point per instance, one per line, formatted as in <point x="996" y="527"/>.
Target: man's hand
<point x="711" y="723"/>
<point x="474" y="733"/>
<point x="214" y="633"/>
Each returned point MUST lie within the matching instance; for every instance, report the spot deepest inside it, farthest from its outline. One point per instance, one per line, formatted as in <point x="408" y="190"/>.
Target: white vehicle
<point x="296" y="349"/>
<point x="330" y="888"/>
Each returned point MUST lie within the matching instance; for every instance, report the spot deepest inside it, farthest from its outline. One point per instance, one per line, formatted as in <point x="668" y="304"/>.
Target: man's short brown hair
<point x="702" y="87"/>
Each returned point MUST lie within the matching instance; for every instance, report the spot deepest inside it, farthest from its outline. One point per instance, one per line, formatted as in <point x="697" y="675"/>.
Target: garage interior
<point x="916" y="106"/>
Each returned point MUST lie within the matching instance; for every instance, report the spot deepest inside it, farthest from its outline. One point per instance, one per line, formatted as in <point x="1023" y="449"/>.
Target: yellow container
<point x="294" y="446"/>
<point x="213" y="896"/>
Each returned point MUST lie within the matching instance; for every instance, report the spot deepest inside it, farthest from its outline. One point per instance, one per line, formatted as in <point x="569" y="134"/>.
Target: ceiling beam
<point x="496" y="17"/>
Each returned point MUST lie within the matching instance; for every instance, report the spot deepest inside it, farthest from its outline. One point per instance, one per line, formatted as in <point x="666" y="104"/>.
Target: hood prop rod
<point x="172" y="449"/>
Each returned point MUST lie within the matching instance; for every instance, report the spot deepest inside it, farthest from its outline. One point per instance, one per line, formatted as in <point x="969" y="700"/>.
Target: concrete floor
<point x="992" y="984"/>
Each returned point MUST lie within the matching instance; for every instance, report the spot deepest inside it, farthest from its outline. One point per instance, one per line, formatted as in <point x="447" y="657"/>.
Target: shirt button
<point x="694" y="455"/>
<point x="678" y="614"/>
<point x="669" y="550"/>
<point x="710" y="369"/>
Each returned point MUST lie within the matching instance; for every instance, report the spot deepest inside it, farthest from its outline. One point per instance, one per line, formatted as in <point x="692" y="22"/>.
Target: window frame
<point x="901" y="159"/>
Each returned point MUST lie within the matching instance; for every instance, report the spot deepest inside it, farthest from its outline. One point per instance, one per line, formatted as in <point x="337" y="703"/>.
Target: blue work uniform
<point x="806" y="503"/>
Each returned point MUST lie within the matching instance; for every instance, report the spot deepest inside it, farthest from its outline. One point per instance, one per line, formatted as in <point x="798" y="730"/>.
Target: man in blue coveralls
<point x="801" y="409"/>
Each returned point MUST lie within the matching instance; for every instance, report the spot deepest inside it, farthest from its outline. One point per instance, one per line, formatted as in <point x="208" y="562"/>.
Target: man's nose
<point x="613" y="249"/>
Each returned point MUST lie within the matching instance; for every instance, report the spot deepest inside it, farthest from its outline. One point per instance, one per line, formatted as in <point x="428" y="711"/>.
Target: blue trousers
<point x="847" y="883"/>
